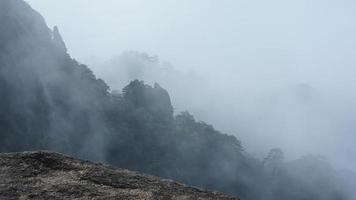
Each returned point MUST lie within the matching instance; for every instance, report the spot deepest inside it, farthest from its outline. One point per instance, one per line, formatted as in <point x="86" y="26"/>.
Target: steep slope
<point x="46" y="175"/>
<point x="50" y="101"/>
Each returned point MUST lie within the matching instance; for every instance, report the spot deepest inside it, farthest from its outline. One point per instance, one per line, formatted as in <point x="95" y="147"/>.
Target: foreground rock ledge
<point x="48" y="175"/>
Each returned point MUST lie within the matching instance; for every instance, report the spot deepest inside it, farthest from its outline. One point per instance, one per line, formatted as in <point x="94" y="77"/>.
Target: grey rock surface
<point x="49" y="175"/>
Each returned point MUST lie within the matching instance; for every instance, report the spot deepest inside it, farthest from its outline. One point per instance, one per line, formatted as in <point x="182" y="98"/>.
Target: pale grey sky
<point x="305" y="38"/>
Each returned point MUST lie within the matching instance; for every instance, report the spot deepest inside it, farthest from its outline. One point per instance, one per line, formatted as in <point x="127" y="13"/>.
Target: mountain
<point x="47" y="175"/>
<point x="51" y="101"/>
<point x="49" y="98"/>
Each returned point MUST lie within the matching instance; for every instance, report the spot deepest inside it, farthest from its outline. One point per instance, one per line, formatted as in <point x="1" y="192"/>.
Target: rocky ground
<point x="48" y="175"/>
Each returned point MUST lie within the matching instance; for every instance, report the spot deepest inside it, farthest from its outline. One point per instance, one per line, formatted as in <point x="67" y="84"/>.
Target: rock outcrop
<point x="47" y="175"/>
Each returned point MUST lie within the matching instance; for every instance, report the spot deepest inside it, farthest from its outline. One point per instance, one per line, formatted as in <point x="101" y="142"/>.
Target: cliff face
<point x="49" y="99"/>
<point x="46" y="175"/>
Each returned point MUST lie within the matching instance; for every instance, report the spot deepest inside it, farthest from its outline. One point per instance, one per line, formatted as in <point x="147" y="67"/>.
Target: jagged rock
<point x="47" y="175"/>
<point x="57" y="38"/>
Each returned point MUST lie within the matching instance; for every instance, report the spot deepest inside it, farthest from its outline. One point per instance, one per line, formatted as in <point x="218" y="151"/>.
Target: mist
<point x="274" y="74"/>
<point x="252" y="99"/>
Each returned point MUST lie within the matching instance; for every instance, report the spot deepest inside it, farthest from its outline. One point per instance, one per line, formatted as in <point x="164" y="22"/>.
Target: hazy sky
<point x="300" y="39"/>
<point x="250" y="45"/>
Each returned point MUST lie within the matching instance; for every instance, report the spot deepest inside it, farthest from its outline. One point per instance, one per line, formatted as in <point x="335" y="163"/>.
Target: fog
<point x="273" y="73"/>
